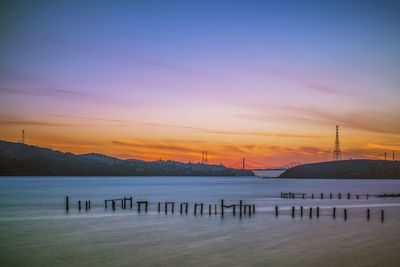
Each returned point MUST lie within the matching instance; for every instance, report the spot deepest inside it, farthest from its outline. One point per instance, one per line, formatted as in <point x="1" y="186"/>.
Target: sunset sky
<point x="265" y="80"/>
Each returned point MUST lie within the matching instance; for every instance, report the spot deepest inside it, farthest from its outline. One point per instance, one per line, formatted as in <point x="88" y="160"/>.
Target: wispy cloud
<point x="19" y="121"/>
<point x="366" y="120"/>
<point x="312" y="85"/>
<point x="197" y="129"/>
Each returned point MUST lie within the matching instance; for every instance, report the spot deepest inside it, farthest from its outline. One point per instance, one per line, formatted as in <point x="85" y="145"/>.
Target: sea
<point x="36" y="229"/>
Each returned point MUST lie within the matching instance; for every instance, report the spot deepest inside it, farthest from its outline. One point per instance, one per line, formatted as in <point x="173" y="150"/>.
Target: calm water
<point x="35" y="230"/>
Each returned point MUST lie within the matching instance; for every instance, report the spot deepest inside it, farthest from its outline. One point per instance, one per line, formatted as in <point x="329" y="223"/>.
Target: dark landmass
<point x="20" y="159"/>
<point x="346" y="169"/>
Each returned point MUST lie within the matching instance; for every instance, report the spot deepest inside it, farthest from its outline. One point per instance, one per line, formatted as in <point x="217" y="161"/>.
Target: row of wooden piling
<point x="244" y="209"/>
<point x="293" y="213"/>
<point x="322" y="195"/>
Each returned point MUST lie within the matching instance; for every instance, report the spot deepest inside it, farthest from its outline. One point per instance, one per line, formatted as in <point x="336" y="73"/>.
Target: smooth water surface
<point x="35" y="229"/>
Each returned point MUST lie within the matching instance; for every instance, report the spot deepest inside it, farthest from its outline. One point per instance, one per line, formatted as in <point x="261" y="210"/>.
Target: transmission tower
<point x="337" y="154"/>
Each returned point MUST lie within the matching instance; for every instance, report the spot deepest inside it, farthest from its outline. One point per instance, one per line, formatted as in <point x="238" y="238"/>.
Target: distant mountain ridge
<point x="22" y="159"/>
<point x="346" y="169"/>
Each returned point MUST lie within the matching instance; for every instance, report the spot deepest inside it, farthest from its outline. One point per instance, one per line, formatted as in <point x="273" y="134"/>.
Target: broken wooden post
<point x="276" y="211"/>
<point x="339" y="195"/>
<point x="113" y="205"/>
<point x="159" y="207"/>
<point x="358" y="196"/>
<point x="382" y="216"/>
<point x="334" y="212"/>
<point x="222" y="207"/>
<point x="312" y="196"/>
<point x="348" y="196"/>
<point x="310" y="212"/>
<point x="234" y="210"/>
<point x="131" y="200"/>
<point x="67" y="203"/>
<point x="105" y="204"/>
<point x="303" y="196"/>
<point x="293" y="212"/>
<point x="79" y="205"/>
<point x="86" y="205"/>
<point x="195" y="209"/>
<point x="90" y="206"/>
<point x="322" y="195"/>
<point x="215" y="209"/>
<point x="368" y="214"/>
<point x="209" y="209"/>
<point x="301" y="211"/>
<point x="345" y="214"/>
<point x="240" y="208"/>
<point x="249" y="210"/>
<point x="367" y="196"/>
<point x="317" y="212"/>
<point x="330" y="195"/>
<point x="254" y="208"/>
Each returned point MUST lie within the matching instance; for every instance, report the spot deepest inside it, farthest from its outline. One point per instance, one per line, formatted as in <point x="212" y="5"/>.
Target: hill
<point x="22" y="159"/>
<point x="346" y="169"/>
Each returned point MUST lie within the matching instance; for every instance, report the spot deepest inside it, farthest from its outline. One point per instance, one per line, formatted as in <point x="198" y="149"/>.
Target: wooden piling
<point x="105" y="204"/>
<point x="86" y="205"/>
<point x="254" y="208"/>
<point x="330" y="195"/>
<point x="368" y="214"/>
<point x="322" y="195"/>
<point x="186" y="208"/>
<point x="209" y="209"/>
<point x="382" y="216"/>
<point x="244" y="209"/>
<point x="367" y="196"/>
<point x="249" y="210"/>
<point x="334" y="212"/>
<point x="215" y="209"/>
<point x="79" y="205"/>
<point x="358" y="197"/>
<point x="159" y="207"/>
<point x="90" y="205"/>
<point x="348" y="196"/>
<point x="301" y="211"/>
<point x="345" y="214"/>
<point x="173" y="207"/>
<point x="317" y="212"/>
<point x="293" y="212"/>
<point x="234" y="210"/>
<point x="310" y="212"/>
<point x="166" y="206"/>
<point x="240" y="208"/>
<point x="304" y="195"/>
<point x="113" y="205"/>
<point x="222" y="207"/>
<point x="130" y="200"/>
<point x="276" y="211"/>
<point x="312" y="196"/>
<point x="339" y="195"/>
<point x="67" y="203"/>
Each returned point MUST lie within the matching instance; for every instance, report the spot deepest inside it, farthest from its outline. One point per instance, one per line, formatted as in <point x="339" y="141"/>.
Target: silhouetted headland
<point x="21" y="159"/>
<point x="346" y="169"/>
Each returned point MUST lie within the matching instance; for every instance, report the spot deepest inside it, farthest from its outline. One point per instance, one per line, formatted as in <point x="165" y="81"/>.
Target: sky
<point x="265" y="80"/>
